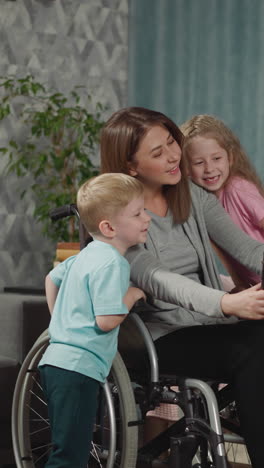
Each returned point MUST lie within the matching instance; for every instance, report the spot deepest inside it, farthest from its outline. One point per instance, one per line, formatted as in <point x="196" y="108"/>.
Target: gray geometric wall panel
<point x="63" y="43"/>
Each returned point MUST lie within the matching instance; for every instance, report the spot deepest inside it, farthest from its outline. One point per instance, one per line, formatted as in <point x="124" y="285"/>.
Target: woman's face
<point x="156" y="163"/>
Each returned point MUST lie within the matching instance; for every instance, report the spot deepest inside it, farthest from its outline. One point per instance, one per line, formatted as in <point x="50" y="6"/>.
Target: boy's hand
<point x="132" y="296"/>
<point x="247" y="304"/>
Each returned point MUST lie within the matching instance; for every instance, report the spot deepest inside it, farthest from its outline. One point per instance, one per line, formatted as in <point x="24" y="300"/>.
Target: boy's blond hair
<point x="101" y="197"/>
<point x="209" y="126"/>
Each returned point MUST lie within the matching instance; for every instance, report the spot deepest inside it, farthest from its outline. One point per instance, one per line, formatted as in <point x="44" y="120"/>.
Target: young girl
<point x="218" y="163"/>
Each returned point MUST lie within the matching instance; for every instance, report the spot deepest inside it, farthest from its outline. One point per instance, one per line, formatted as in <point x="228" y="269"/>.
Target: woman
<point x="194" y="323"/>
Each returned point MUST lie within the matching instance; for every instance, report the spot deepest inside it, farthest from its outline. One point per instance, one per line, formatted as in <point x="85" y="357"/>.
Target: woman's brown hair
<point x="209" y="126"/>
<point x="120" y="140"/>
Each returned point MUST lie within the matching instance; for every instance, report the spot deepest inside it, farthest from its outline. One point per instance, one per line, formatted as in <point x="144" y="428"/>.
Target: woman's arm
<point x="176" y="289"/>
<point x="149" y="274"/>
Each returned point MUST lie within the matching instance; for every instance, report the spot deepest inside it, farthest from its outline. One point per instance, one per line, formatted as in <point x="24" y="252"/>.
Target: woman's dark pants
<point x="234" y="353"/>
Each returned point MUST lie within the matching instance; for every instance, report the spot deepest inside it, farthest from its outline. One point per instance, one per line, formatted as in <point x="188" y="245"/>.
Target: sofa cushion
<point x="16" y="326"/>
<point x="6" y="361"/>
<point x="9" y="369"/>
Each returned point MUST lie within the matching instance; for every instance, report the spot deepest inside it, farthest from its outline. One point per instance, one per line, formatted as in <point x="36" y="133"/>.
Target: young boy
<point x="88" y="297"/>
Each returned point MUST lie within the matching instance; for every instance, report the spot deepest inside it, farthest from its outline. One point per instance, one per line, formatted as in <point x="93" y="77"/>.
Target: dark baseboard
<point x="25" y="290"/>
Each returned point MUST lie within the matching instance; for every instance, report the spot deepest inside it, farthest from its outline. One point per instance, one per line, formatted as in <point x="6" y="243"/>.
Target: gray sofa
<point x="22" y="318"/>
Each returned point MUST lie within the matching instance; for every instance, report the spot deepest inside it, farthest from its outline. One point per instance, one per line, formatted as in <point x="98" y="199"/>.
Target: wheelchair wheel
<point x="235" y="447"/>
<point x="114" y="441"/>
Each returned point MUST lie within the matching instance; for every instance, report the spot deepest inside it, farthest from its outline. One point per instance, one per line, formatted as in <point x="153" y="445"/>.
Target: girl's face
<point x="156" y="163"/>
<point x="209" y="164"/>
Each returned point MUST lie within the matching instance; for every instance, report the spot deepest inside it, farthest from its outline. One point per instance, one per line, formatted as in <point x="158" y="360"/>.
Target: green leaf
<point x="13" y="144"/>
<point x="59" y="137"/>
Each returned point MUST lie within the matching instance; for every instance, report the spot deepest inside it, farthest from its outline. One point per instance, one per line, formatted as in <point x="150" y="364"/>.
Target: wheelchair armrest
<point x="136" y="346"/>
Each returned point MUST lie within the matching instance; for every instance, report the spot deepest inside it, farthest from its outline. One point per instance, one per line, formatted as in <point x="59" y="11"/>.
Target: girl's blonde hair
<point x="211" y="127"/>
<point x="102" y="197"/>
<point x="120" y="140"/>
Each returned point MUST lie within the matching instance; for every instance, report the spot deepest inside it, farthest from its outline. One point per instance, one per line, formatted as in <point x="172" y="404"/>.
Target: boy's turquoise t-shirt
<point x="91" y="283"/>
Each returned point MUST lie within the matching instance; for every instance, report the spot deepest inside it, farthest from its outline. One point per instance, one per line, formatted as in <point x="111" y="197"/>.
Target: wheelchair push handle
<point x="71" y="210"/>
<point x="64" y="211"/>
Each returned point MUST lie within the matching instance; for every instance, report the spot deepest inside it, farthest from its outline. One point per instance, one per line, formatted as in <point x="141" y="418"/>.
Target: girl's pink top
<point x="242" y="200"/>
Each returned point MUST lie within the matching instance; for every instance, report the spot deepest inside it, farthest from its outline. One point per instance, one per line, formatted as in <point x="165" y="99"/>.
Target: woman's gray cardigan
<point x="176" y="301"/>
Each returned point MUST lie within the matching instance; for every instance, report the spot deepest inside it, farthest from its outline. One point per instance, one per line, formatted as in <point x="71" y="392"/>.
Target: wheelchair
<point x="135" y="385"/>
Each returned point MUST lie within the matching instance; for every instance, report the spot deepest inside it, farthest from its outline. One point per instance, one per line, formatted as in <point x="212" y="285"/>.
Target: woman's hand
<point x="132" y="296"/>
<point x="247" y="304"/>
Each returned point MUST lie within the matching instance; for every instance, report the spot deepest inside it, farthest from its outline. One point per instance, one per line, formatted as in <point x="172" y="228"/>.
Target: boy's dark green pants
<point x="72" y="404"/>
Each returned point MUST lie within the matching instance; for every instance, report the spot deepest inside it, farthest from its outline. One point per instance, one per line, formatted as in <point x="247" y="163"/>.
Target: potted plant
<point x="59" y="149"/>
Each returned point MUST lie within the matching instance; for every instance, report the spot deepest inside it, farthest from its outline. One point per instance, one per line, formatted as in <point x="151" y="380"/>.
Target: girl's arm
<point x="247" y="304"/>
<point x="51" y="293"/>
<point x="229" y="237"/>
<point x="243" y="198"/>
<point x="261" y="223"/>
<point x="239" y="283"/>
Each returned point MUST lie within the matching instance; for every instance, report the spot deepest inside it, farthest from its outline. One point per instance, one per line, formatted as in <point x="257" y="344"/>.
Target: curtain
<point x="201" y="56"/>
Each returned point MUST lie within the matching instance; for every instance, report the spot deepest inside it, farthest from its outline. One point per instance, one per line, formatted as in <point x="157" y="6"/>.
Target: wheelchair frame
<point x="200" y="426"/>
